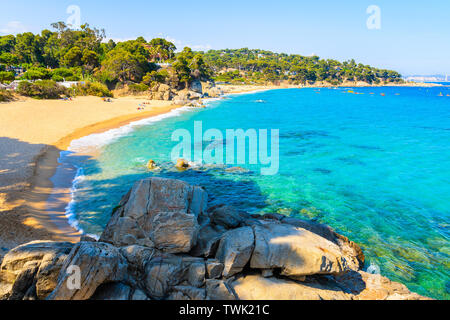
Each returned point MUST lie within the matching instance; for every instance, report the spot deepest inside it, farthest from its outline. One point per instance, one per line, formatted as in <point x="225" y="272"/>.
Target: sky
<point x="412" y="37"/>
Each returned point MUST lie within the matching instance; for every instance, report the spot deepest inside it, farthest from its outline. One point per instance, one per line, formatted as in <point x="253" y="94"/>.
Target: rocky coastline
<point x="163" y="242"/>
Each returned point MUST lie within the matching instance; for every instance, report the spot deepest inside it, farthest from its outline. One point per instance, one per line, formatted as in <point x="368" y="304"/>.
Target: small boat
<point x="383" y="94"/>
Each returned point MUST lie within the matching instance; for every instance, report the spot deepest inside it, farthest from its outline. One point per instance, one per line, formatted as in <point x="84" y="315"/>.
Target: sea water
<point x="373" y="163"/>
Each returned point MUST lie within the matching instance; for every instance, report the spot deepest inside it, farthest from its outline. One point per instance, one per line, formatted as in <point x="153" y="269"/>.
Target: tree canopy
<point x="66" y="54"/>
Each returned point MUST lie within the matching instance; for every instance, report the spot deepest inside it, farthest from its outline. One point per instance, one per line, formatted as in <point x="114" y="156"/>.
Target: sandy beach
<point x="32" y="135"/>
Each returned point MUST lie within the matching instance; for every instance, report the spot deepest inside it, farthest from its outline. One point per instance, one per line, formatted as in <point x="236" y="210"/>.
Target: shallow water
<point x="375" y="168"/>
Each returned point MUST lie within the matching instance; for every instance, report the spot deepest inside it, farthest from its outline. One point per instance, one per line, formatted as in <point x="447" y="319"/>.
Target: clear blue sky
<point x="414" y="37"/>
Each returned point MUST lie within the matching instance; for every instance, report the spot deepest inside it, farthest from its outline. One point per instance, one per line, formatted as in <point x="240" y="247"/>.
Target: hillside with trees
<point x="84" y="55"/>
<point x="259" y="66"/>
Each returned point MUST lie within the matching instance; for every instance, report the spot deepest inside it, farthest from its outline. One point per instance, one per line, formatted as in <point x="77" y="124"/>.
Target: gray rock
<point x="196" y="86"/>
<point x="267" y="273"/>
<point x="295" y="251"/>
<point x="47" y="256"/>
<point x="98" y="263"/>
<point x="255" y="287"/>
<point x="352" y="252"/>
<point x="227" y="217"/>
<point x="207" y="241"/>
<point x="197" y="274"/>
<point x="214" y="269"/>
<point x="235" y="250"/>
<point x="24" y="281"/>
<point x="174" y="232"/>
<point x="139" y="295"/>
<point x="159" y="213"/>
<point x="218" y="290"/>
<point x="167" y="271"/>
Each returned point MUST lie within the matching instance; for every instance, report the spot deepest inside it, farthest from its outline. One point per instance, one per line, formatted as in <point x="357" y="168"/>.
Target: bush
<point x="7" y="76"/>
<point x="93" y="89"/>
<point x="5" y="95"/>
<point x="138" y="88"/>
<point x="68" y="74"/>
<point x="37" y="74"/>
<point x="155" y="77"/>
<point x="43" y="89"/>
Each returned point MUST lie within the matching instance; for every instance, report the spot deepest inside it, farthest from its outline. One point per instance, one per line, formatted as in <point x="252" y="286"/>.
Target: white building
<point x="69" y="84"/>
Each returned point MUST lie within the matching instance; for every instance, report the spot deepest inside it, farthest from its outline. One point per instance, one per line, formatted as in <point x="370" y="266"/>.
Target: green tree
<point x="73" y="58"/>
<point x="6" y="76"/>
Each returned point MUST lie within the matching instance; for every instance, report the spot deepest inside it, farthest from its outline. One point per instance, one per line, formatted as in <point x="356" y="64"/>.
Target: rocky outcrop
<point x="161" y="92"/>
<point x="296" y="252"/>
<point x="31" y="271"/>
<point x="163" y="243"/>
<point x="88" y="266"/>
<point x="158" y="213"/>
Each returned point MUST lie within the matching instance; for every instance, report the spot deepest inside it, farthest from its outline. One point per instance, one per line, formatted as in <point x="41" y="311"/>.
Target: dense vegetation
<point x="84" y="55"/>
<point x="42" y="89"/>
<point x="245" y="65"/>
<point x="5" y="95"/>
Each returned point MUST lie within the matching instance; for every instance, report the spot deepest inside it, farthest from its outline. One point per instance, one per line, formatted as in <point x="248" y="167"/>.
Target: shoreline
<point x="48" y="164"/>
<point x="25" y="214"/>
<point x="52" y="219"/>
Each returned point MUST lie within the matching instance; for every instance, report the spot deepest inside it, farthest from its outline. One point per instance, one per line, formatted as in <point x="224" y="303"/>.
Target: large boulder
<point x="352" y="252"/>
<point x="159" y="213"/>
<point x="296" y="252"/>
<point x="256" y="287"/>
<point x="89" y="265"/>
<point x="235" y="250"/>
<point x="33" y="268"/>
<point x="196" y="86"/>
<point x="162" y="243"/>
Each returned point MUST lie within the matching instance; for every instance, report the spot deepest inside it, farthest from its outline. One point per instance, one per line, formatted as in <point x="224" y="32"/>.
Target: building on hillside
<point x="163" y="65"/>
<point x="13" y="85"/>
<point x="70" y="84"/>
<point x="17" y="70"/>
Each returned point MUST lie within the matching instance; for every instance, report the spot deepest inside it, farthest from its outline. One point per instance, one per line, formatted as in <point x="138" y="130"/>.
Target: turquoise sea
<point x="374" y="167"/>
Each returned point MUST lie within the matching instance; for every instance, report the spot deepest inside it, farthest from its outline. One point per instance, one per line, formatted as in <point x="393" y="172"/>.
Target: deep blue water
<point x="376" y="168"/>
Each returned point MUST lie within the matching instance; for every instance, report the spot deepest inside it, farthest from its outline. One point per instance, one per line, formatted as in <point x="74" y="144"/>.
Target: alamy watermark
<point x="74" y="19"/>
<point x="374" y="20"/>
<point x="234" y="147"/>
<point x="74" y="277"/>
